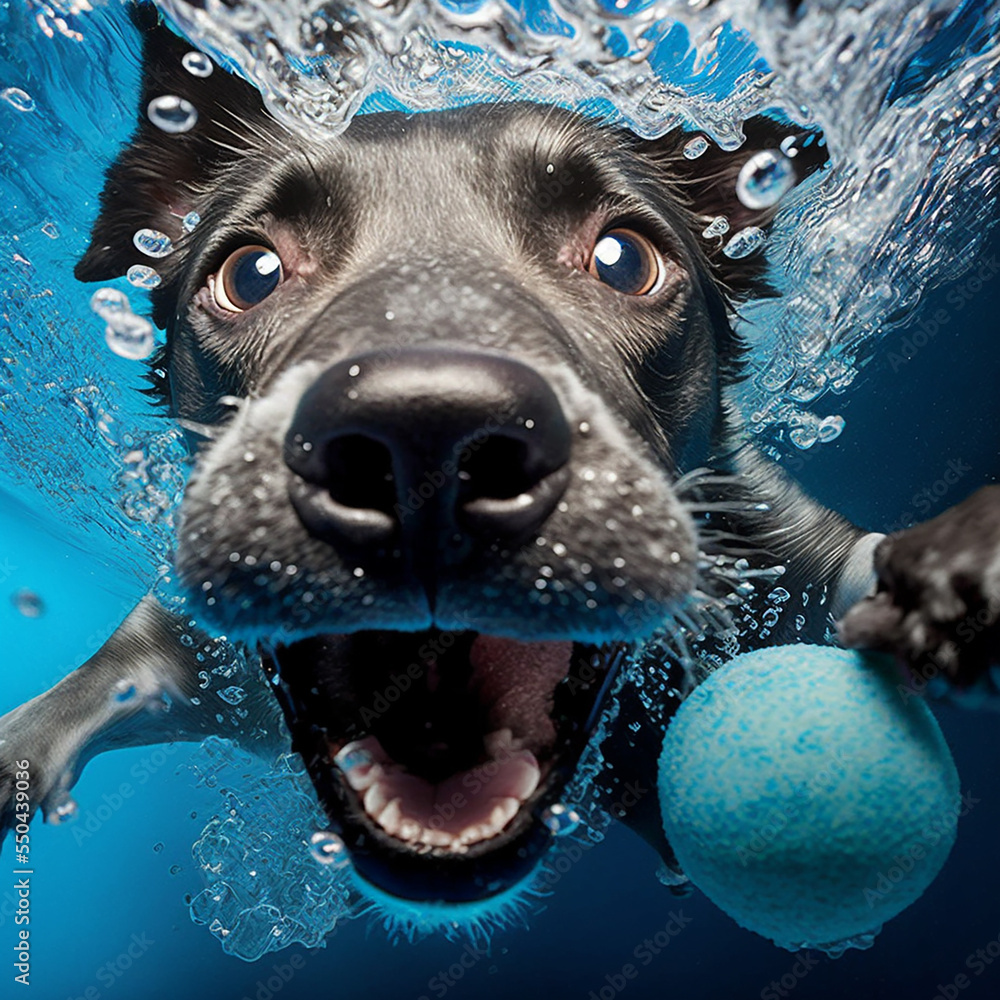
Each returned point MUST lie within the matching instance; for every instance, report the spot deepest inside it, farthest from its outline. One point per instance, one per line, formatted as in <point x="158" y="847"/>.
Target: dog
<point x="453" y="380"/>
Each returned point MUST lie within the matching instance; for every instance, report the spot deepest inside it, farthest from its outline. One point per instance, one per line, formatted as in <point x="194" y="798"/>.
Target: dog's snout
<point x="427" y="443"/>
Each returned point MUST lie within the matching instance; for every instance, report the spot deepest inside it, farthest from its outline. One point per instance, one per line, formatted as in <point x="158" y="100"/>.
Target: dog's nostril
<point x="359" y="472"/>
<point x="498" y="468"/>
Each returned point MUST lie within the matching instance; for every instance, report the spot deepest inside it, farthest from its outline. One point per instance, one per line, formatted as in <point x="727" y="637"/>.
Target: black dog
<point x="444" y="373"/>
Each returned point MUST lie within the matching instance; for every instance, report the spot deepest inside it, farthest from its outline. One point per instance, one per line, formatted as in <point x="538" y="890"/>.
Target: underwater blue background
<point x="95" y="892"/>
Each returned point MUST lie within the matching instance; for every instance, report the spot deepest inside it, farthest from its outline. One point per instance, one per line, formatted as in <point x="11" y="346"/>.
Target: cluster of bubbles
<point x="151" y="476"/>
<point x="275" y="877"/>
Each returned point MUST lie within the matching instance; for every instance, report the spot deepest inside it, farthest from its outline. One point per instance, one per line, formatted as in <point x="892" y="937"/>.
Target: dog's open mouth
<point x="438" y="756"/>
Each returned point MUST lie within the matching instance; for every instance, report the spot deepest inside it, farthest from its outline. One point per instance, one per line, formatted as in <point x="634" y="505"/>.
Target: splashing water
<point x="912" y="126"/>
<point x="267" y="887"/>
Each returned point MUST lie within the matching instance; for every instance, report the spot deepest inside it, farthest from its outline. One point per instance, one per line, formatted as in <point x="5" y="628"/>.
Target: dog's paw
<point x="31" y="775"/>
<point x="937" y="606"/>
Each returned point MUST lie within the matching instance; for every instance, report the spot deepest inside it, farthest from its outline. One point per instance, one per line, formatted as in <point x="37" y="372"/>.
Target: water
<point x="91" y="473"/>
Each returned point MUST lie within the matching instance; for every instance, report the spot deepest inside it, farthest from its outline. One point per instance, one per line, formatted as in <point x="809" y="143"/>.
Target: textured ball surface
<point x="805" y="796"/>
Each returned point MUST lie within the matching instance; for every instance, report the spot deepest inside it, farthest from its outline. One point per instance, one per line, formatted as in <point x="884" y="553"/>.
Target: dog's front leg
<point x="141" y="687"/>
<point x="818" y="547"/>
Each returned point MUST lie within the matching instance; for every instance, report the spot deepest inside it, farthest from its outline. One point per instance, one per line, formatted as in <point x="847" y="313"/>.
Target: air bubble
<point x="197" y="64"/>
<point x="765" y="178"/>
<point x="561" y="819"/>
<point x="28" y="603"/>
<point x="695" y="147"/>
<point x="109" y="303"/>
<point x="172" y="114"/>
<point x="328" y="849"/>
<point x="18" y="99"/>
<point x="719" y="226"/>
<point x="232" y="695"/>
<point x="153" y="243"/>
<point x="744" y="243"/>
<point x="65" y="812"/>
<point x="830" y="428"/>
<point x="142" y="276"/>
<point x="131" y="337"/>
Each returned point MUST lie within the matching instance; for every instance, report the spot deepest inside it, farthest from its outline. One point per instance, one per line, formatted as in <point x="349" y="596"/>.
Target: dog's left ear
<point x="708" y="184"/>
<point x="154" y="181"/>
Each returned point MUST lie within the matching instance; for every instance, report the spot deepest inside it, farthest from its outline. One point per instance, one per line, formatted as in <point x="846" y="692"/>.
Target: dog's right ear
<point x="153" y="182"/>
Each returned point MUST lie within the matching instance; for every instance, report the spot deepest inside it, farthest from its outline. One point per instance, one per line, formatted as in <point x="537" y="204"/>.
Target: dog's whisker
<point x="255" y="129"/>
<point x="206" y="431"/>
<point x="724" y="506"/>
<point x="245" y="151"/>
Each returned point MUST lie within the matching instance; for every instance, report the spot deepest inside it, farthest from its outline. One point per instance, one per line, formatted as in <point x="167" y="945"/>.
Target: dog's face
<point x="449" y="365"/>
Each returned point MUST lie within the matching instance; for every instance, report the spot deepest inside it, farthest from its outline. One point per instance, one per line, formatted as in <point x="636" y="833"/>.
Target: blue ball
<point x="807" y="796"/>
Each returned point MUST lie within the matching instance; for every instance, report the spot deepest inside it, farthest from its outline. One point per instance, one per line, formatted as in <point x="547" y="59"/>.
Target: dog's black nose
<point x="438" y="445"/>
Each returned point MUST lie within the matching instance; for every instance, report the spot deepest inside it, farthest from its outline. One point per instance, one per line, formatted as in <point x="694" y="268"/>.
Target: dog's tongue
<point x="518" y="680"/>
<point x="515" y="681"/>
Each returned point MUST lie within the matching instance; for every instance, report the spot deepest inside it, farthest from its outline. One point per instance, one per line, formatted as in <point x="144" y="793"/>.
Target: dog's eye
<point x="626" y="261"/>
<point x="247" y="276"/>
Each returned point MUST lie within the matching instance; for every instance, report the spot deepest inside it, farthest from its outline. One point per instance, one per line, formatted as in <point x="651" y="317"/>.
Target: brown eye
<point x="626" y="261"/>
<point x="247" y="277"/>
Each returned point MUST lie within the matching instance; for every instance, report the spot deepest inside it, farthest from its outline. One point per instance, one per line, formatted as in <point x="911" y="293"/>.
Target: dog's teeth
<point x="375" y="800"/>
<point x="352" y="755"/>
<point x="500" y="743"/>
<point x="391" y="818"/>
<point x="361" y="762"/>
<point x="362" y="779"/>
<point x="409" y="830"/>
<point x="473" y="834"/>
<point x="503" y="812"/>
<point x="436" y="838"/>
